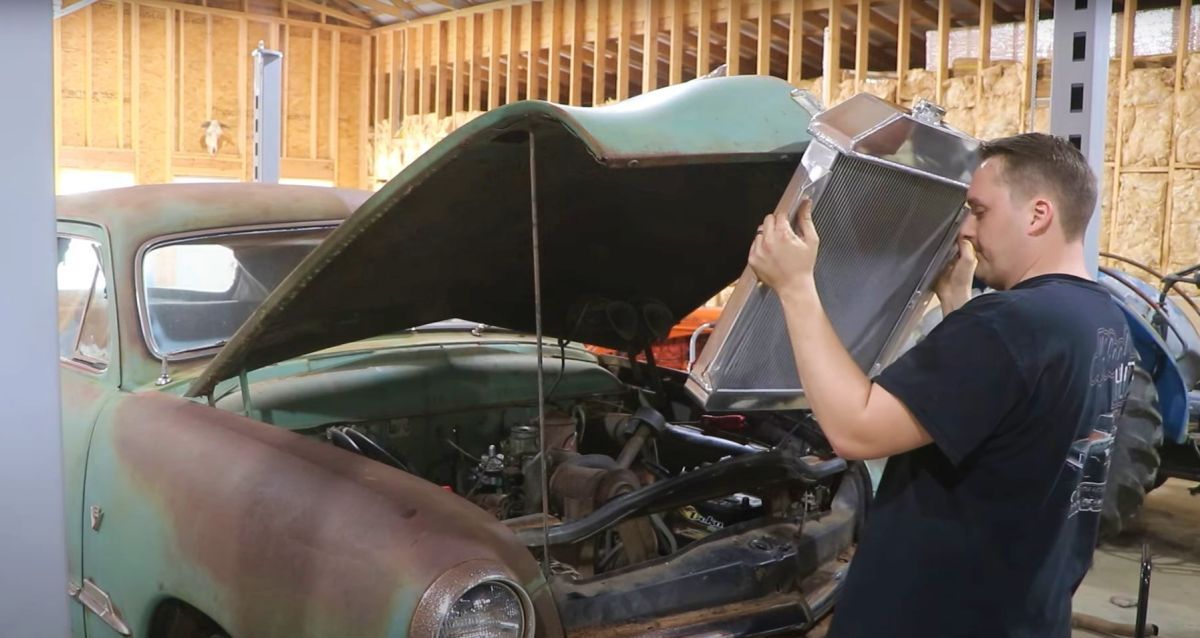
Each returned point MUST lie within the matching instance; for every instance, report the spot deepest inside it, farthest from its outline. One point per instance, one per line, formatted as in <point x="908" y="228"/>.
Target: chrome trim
<point x="97" y="601"/>
<point x="707" y="325"/>
<point x="437" y="600"/>
<point x="179" y="238"/>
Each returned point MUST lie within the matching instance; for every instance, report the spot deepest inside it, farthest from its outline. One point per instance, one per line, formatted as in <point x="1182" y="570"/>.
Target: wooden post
<point x="335" y="62"/>
<point x="439" y="70"/>
<point x="408" y="72"/>
<point x="135" y="87"/>
<point x="364" y="107"/>
<point x="208" y="67"/>
<point x="832" y="71"/>
<point x="87" y="76"/>
<point x="624" y="31"/>
<point x="575" y="74"/>
<point x="903" y="44"/>
<point x="764" y="37"/>
<point x="243" y="122"/>
<point x="456" y="89"/>
<point x="678" y="39"/>
<point x="56" y="69"/>
<point x="1127" y="23"/>
<point x="169" y="132"/>
<point x="121" y="72"/>
<point x="796" y="42"/>
<point x="533" y="73"/>
<point x="475" y="47"/>
<point x="1027" y="87"/>
<point x="1181" y="57"/>
<point x="600" y="55"/>
<point x="495" y="31"/>
<point x="650" y="46"/>
<point x="423" y="58"/>
<point x="943" y="58"/>
<point x="512" y="81"/>
<point x="554" y="62"/>
<point x="283" y="126"/>
<point x="704" y="37"/>
<point x="733" y="38"/>
<point x="314" y="86"/>
<point x="862" y="44"/>
<point x="985" y="47"/>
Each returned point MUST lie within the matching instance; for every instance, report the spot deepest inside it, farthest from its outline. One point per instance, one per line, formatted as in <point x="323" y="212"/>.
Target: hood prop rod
<point x="541" y="368"/>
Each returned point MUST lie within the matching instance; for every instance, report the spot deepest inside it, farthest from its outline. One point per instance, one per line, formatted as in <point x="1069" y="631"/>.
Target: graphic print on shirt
<point x="1112" y="369"/>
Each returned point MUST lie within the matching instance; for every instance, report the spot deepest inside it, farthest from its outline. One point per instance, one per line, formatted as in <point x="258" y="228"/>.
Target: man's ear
<point x="1041" y="216"/>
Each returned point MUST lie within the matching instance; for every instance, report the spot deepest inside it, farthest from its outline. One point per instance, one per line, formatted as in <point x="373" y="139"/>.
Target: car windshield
<point x="197" y="292"/>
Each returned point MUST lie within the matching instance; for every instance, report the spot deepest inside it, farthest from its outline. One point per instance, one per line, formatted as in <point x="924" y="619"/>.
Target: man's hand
<point x="782" y="259"/>
<point x="953" y="285"/>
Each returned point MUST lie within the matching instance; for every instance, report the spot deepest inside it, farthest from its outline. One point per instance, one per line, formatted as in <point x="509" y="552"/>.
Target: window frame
<point x="78" y="360"/>
<point x="185" y="237"/>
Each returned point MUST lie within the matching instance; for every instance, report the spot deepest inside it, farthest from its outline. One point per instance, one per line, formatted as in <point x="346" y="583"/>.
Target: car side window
<point x="83" y="322"/>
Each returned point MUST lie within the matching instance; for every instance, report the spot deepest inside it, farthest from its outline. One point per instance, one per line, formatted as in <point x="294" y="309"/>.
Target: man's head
<point x="1030" y="200"/>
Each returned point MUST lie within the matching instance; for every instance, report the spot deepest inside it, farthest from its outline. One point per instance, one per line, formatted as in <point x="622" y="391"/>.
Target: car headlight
<point x="474" y="599"/>
<point x="488" y="610"/>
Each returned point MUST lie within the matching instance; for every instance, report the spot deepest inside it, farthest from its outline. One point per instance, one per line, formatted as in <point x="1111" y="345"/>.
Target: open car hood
<point x="645" y="210"/>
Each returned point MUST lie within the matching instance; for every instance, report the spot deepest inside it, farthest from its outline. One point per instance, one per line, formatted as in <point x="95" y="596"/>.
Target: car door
<point x="89" y="374"/>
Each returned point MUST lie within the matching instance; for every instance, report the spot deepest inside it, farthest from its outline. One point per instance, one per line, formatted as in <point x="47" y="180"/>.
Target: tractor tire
<point x="1133" y="465"/>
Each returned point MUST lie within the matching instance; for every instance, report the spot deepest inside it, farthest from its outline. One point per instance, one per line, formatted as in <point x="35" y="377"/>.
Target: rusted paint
<point x="279" y="522"/>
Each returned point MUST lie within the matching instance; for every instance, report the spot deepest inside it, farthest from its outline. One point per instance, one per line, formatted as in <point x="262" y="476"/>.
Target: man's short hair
<point x="1038" y="162"/>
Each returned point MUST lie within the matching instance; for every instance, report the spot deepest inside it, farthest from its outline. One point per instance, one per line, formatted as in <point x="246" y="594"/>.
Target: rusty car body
<point x="275" y="427"/>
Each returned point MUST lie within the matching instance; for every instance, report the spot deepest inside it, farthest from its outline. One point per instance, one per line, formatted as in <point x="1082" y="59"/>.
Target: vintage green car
<point x="273" y="426"/>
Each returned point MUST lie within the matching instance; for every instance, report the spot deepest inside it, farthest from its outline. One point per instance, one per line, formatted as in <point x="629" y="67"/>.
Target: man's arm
<point x="861" y="419"/>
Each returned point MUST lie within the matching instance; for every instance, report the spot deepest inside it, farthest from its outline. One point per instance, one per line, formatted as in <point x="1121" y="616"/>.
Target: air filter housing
<point x="887" y="188"/>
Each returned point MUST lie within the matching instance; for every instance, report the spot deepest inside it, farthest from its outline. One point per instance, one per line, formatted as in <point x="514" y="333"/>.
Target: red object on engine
<point x="723" y="423"/>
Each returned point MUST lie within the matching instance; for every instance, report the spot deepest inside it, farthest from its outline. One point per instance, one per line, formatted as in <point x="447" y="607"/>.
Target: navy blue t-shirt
<point x="987" y="531"/>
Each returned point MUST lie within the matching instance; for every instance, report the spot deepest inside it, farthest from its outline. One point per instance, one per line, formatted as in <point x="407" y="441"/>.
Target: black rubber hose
<point x="372" y="450"/>
<point x="338" y="437"/>
<point x="746" y="472"/>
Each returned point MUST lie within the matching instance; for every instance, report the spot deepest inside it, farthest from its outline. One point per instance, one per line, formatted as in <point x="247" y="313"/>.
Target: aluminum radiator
<point x="887" y="188"/>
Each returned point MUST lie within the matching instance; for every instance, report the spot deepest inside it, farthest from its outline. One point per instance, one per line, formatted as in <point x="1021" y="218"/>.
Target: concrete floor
<point x="1171" y="525"/>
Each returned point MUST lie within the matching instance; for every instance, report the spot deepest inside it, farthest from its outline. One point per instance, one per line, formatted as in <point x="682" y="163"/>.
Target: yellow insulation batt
<point x="1146" y="126"/>
<point x="1184" y="237"/>
<point x="1110" y="115"/>
<point x="392" y="151"/>
<point x="1187" y="114"/>
<point x="1137" y="223"/>
<point x="958" y="97"/>
<point x="918" y="83"/>
<point x="1000" y="113"/>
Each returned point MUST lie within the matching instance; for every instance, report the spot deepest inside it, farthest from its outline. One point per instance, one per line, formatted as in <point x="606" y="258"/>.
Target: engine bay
<point x="697" y="474"/>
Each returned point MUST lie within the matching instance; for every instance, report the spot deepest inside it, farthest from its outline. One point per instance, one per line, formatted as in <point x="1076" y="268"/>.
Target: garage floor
<point x="1171" y="524"/>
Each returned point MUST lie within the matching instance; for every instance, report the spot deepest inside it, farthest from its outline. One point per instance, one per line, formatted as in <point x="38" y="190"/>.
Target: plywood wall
<point x="137" y="79"/>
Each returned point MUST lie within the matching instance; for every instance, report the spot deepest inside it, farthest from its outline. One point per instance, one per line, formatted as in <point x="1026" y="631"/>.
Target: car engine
<point x="604" y="452"/>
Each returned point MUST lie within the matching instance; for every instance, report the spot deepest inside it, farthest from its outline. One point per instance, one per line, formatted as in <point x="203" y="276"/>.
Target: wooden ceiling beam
<point x="352" y="9"/>
<point x="330" y="12"/>
<point x="385" y="8"/>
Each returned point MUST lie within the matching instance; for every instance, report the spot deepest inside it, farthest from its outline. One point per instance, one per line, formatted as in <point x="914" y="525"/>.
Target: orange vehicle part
<point x="673" y="352"/>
